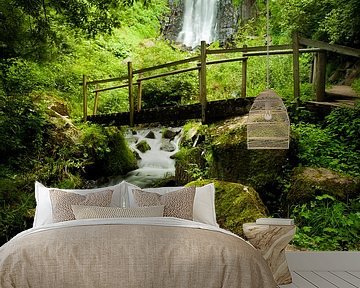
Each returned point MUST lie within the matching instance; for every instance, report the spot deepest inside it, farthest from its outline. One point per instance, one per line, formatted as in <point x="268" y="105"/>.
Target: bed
<point x="130" y="248"/>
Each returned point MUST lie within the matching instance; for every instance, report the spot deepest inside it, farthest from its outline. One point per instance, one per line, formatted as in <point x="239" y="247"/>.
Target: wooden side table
<point x="272" y="240"/>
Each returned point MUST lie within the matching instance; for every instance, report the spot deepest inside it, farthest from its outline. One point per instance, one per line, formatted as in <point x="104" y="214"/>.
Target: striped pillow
<point x="93" y="212"/>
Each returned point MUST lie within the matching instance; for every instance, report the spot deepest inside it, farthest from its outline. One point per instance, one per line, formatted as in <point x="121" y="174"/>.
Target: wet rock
<point x="143" y="146"/>
<point x="167" y="146"/>
<point x="169" y="134"/>
<point x="150" y="135"/>
<point x="137" y="156"/>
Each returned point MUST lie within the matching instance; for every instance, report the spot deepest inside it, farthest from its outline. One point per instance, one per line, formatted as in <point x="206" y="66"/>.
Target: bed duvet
<point x="143" y="252"/>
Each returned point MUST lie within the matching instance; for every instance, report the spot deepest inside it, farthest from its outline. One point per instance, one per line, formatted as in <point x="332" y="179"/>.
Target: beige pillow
<point x="92" y="212"/>
<point x="178" y="203"/>
<point x="61" y="202"/>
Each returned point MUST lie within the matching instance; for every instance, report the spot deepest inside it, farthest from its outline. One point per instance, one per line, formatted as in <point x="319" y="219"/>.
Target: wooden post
<point x="244" y="76"/>
<point x="96" y="101"/>
<point x="296" y="67"/>
<point x="202" y="79"/>
<point x="139" y="98"/>
<point x="84" y="85"/>
<point x="320" y="76"/>
<point x="131" y="96"/>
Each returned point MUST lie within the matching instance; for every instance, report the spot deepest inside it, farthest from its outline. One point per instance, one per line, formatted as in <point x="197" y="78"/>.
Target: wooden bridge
<point x="205" y="110"/>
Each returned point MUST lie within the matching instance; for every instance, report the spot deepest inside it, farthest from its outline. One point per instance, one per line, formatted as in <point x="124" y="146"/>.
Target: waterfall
<point x="199" y="22"/>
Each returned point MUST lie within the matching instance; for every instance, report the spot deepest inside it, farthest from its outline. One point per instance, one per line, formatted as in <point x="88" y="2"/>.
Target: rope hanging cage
<point x="268" y="125"/>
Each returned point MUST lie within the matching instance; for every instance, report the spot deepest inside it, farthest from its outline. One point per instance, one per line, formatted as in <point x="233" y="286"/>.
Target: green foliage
<point x="329" y="20"/>
<point x="21" y="131"/>
<point x="356" y="85"/>
<point x="16" y="204"/>
<point x="322" y="148"/>
<point x="30" y="27"/>
<point x="24" y="76"/>
<point x="343" y="124"/>
<point x="327" y="224"/>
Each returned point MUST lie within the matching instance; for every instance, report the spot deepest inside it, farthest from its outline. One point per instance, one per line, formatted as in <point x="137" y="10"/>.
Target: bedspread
<point x="151" y="252"/>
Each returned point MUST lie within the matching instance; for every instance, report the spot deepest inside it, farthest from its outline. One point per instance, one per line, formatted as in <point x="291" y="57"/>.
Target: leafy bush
<point x="343" y="124"/>
<point x="321" y="148"/>
<point x="21" y="130"/>
<point x="327" y="224"/>
<point x="24" y="76"/>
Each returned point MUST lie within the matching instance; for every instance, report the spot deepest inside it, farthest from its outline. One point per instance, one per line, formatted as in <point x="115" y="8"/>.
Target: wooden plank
<point x="84" y="86"/>
<point x="338" y="282"/>
<point x="323" y="261"/>
<point x="196" y="58"/>
<point x="243" y="76"/>
<point x="248" y="49"/>
<point x="131" y="94"/>
<point x="320" y="76"/>
<point x="331" y="47"/>
<point x="139" y="98"/>
<point x="169" y="73"/>
<point x="202" y="79"/>
<point x="355" y="273"/>
<point x="316" y="280"/>
<point x="296" y="68"/>
<point x="349" y="278"/>
<point x="300" y="281"/>
<point x="282" y="52"/>
<point x="225" y="60"/>
<point x="108" y="80"/>
<point x="96" y="101"/>
<point x="111" y="88"/>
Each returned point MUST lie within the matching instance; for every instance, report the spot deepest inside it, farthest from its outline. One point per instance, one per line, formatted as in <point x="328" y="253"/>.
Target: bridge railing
<point x="318" y="47"/>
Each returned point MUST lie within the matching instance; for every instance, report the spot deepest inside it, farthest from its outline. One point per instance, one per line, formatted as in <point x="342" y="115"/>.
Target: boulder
<point x="235" y="204"/>
<point x="308" y="182"/>
<point x="143" y="146"/>
<point x="232" y="161"/>
<point x="169" y="134"/>
<point x="167" y="146"/>
<point x="150" y="135"/>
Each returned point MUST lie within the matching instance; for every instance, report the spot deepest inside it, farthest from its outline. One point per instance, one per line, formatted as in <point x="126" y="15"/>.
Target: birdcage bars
<point x="268" y="125"/>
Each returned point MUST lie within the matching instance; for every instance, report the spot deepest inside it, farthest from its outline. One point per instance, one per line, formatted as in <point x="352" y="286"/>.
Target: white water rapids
<point x="199" y="23"/>
<point x="155" y="163"/>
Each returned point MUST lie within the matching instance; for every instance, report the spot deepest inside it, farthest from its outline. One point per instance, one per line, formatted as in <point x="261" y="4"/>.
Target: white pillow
<point x="204" y="202"/>
<point x="94" y="212"/>
<point x="43" y="212"/>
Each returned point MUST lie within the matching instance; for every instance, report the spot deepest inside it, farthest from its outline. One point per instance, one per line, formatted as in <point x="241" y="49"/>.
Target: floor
<point x="324" y="269"/>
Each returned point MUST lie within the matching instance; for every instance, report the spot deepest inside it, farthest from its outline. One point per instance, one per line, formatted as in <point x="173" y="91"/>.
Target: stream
<point x="155" y="163"/>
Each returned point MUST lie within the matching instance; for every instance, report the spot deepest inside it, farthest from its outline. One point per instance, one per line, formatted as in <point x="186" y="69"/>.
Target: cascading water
<point x="155" y="163"/>
<point x="199" y="22"/>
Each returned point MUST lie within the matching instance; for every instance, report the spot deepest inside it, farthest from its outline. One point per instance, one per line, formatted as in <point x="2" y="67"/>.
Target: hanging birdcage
<point x="268" y="125"/>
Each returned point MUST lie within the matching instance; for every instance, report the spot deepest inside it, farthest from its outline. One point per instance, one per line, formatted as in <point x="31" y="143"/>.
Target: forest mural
<point x="47" y="45"/>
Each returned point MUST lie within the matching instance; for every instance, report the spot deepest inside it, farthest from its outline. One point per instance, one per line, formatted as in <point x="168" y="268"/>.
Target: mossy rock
<point x="169" y="134"/>
<point x="307" y="183"/>
<point x="235" y="204"/>
<point x="232" y="161"/>
<point x="143" y="146"/>
<point x="188" y="162"/>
